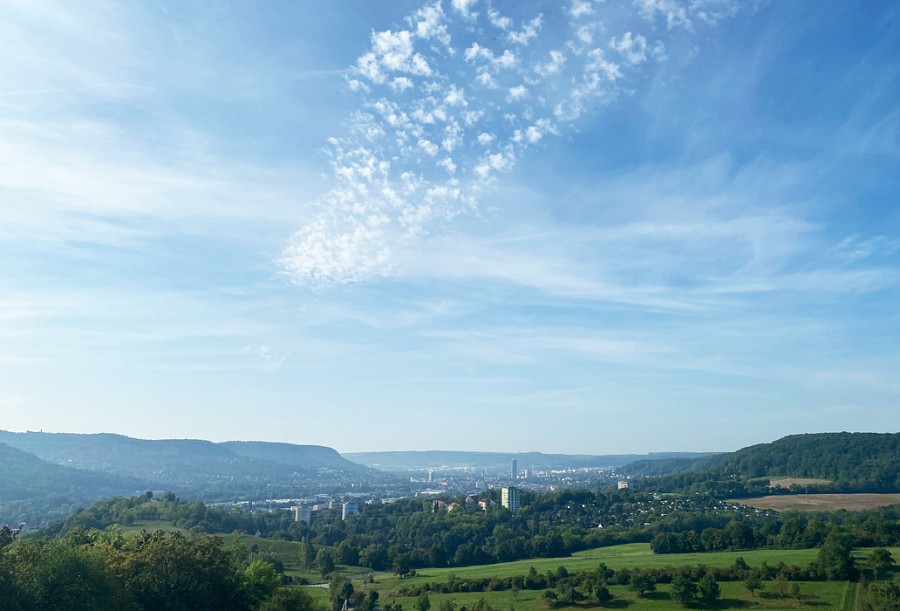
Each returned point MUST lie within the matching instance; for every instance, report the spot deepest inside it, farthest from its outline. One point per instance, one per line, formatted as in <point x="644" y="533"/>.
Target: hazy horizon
<point x="582" y="228"/>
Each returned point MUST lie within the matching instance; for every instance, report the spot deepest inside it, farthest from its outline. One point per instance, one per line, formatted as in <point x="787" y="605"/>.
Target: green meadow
<point x="813" y="594"/>
<point x="631" y="555"/>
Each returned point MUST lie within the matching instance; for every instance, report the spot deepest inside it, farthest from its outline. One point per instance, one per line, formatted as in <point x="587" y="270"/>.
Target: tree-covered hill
<point x="851" y="462"/>
<point x="179" y="462"/>
<point x="32" y="488"/>
<point x="293" y="455"/>
<point x="191" y="468"/>
<point x="873" y="458"/>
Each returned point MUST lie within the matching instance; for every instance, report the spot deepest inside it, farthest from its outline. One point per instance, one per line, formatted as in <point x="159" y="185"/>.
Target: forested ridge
<point x="871" y="459"/>
<point x="851" y="462"/>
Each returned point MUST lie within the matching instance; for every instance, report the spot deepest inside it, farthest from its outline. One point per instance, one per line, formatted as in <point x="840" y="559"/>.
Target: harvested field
<point x="787" y="482"/>
<point x="820" y="502"/>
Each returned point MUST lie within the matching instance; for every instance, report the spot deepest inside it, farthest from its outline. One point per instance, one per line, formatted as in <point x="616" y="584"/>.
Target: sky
<point x="581" y="227"/>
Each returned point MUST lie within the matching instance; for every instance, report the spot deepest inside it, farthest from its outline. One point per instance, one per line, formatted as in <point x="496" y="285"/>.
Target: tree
<point x="169" y="571"/>
<point x="753" y="581"/>
<point x="708" y="589"/>
<point x="423" y="603"/>
<point x="402" y="565"/>
<point x="794" y="591"/>
<point x="55" y="575"/>
<point x="307" y="554"/>
<point x="881" y="561"/>
<point x="325" y="561"/>
<point x="293" y="599"/>
<point x="261" y="581"/>
<point x="448" y="605"/>
<point x="683" y="589"/>
<point x="566" y="593"/>
<point x="370" y="602"/>
<point x="880" y="596"/>
<point x="835" y="558"/>
<point x="642" y="583"/>
<point x="781" y="585"/>
<point x="601" y="595"/>
<point x="339" y="590"/>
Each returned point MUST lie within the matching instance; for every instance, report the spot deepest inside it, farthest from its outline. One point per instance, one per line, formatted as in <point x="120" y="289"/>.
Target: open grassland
<point x="821" y="502"/>
<point x="814" y="595"/>
<point x="787" y="482"/>
<point x="631" y="555"/>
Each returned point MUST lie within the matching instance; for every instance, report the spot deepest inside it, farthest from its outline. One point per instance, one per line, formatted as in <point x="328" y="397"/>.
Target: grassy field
<point x="821" y="502"/>
<point x="631" y="555"/>
<point x="787" y="482"/>
<point x="814" y="595"/>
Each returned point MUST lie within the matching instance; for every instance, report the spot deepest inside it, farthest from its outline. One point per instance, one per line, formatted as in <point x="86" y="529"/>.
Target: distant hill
<point x="292" y="454"/>
<point x="664" y="466"/>
<point x="191" y="468"/>
<point x="496" y="461"/>
<point x="862" y="462"/>
<point x="839" y="457"/>
<point x="32" y="488"/>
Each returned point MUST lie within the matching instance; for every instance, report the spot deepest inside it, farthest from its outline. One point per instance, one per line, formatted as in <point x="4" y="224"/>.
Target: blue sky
<point x="584" y="227"/>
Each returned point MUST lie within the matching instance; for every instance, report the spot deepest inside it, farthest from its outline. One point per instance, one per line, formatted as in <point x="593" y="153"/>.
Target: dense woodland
<point x="94" y="571"/>
<point x="851" y="462"/>
<point x="408" y="534"/>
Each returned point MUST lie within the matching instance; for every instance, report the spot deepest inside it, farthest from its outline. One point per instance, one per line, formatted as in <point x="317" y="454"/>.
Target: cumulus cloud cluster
<point x="450" y="101"/>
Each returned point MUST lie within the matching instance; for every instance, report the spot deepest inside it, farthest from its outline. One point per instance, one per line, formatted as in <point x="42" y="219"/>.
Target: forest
<point x="410" y="533"/>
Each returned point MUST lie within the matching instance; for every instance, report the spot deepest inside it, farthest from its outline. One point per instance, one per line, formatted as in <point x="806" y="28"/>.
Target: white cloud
<point x="528" y="32"/>
<point x="486" y="138"/>
<point x="440" y="126"/>
<point x="447" y="164"/>
<point x="401" y="84"/>
<point x="429" y="147"/>
<point x="391" y="52"/>
<point x="428" y="23"/>
<point x="464" y="8"/>
<point x="580" y="8"/>
<point x="516" y="93"/>
<point x="499" y="21"/>
<point x="632" y="47"/>
<point x="557" y="59"/>
<point x="674" y="13"/>
<point x="679" y="13"/>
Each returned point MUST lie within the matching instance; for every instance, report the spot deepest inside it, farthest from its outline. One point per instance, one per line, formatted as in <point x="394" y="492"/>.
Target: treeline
<point x="878" y="527"/>
<point x="96" y="571"/>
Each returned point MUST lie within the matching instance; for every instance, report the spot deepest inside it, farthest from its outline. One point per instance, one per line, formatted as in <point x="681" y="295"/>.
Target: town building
<point x="302" y="513"/>
<point x="509" y="498"/>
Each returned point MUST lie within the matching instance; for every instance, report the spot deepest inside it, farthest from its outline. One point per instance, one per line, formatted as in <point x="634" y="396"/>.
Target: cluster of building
<point x="304" y="512"/>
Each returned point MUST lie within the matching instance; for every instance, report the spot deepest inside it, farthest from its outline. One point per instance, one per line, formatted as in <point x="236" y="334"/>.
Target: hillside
<point x="196" y="468"/>
<point x="850" y="462"/>
<point x="293" y="455"/>
<point x="32" y="488"/>
<point x="840" y="457"/>
<point x="500" y="461"/>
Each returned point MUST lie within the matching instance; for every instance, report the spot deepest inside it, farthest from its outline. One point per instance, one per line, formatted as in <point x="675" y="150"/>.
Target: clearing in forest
<point x="821" y="502"/>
